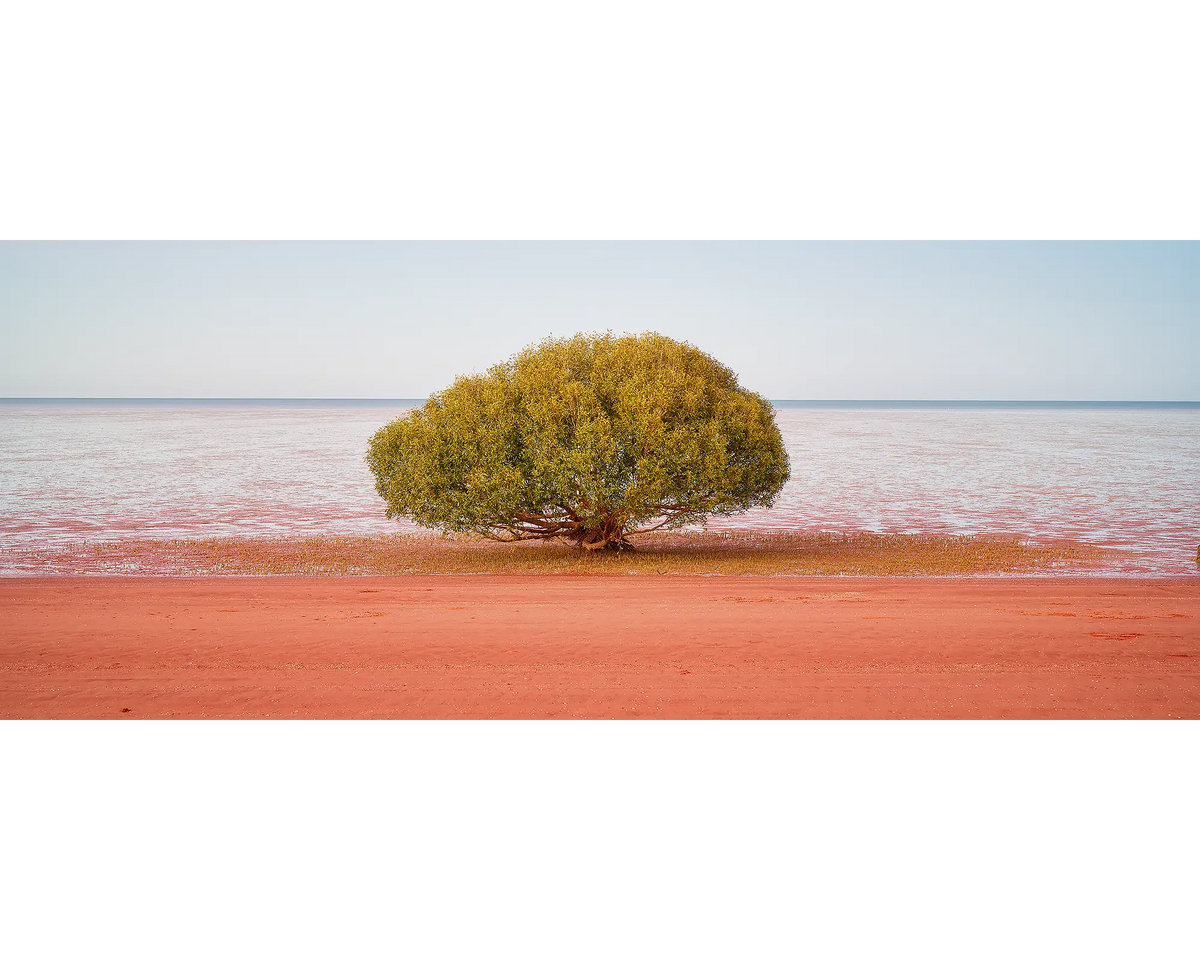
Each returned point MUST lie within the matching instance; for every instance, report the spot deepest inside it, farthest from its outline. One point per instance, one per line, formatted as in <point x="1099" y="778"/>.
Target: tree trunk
<point x="608" y="538"/>
<point x="616" y="544"/>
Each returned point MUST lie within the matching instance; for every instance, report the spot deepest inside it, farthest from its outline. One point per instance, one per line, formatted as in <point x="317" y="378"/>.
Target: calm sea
<point x="1119" y="475"/>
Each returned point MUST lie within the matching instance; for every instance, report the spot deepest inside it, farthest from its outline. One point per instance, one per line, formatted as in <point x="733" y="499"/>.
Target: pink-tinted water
<point x="1124" y="478"/>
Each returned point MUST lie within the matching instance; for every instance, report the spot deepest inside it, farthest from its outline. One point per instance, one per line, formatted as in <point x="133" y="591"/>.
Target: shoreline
<point x="537" y="646"/>
<point x="727" y="552"/>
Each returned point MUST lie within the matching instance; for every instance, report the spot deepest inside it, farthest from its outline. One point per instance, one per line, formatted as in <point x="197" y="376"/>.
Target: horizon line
<point x="844" y="400"/>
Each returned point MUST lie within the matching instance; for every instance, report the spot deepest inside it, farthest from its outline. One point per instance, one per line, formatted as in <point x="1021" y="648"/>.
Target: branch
<point x="517" y="536"/>
<point x="657" y="526"/>
<point x="598" y="545"/>
<point x="681" y="508"/>
<point x="539" y="519"/>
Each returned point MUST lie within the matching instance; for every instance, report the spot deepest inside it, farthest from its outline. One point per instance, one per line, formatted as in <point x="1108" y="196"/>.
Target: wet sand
<point x="566" y="646"/>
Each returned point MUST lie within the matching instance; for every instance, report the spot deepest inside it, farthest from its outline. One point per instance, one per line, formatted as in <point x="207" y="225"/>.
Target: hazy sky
<point x="1053" y="321"/>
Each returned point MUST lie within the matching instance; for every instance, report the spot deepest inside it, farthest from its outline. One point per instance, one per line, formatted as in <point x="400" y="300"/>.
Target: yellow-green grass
<point x="725" y="553"/>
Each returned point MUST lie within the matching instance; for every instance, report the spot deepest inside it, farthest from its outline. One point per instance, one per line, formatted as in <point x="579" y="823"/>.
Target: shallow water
<point x="1123" y="477"/>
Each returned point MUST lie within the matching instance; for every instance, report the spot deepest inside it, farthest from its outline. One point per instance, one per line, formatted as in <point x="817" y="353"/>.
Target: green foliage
<point x="592" y="438"/>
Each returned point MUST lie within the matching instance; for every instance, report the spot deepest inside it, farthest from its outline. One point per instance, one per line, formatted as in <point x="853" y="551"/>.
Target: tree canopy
<point x="590" y="439"/>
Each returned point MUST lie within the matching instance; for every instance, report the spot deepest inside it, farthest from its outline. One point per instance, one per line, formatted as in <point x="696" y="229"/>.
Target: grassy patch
<point x="725" y="553"/>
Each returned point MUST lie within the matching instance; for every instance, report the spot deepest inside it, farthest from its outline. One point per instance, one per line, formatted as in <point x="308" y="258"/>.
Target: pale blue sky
<point x="1022" y="321"/>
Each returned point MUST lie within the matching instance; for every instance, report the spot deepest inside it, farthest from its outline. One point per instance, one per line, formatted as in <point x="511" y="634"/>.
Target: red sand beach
<point x="563" y="646"/>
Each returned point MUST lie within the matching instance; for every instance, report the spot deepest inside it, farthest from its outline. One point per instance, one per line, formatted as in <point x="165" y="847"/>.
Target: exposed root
<point x="617" y="543"/>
